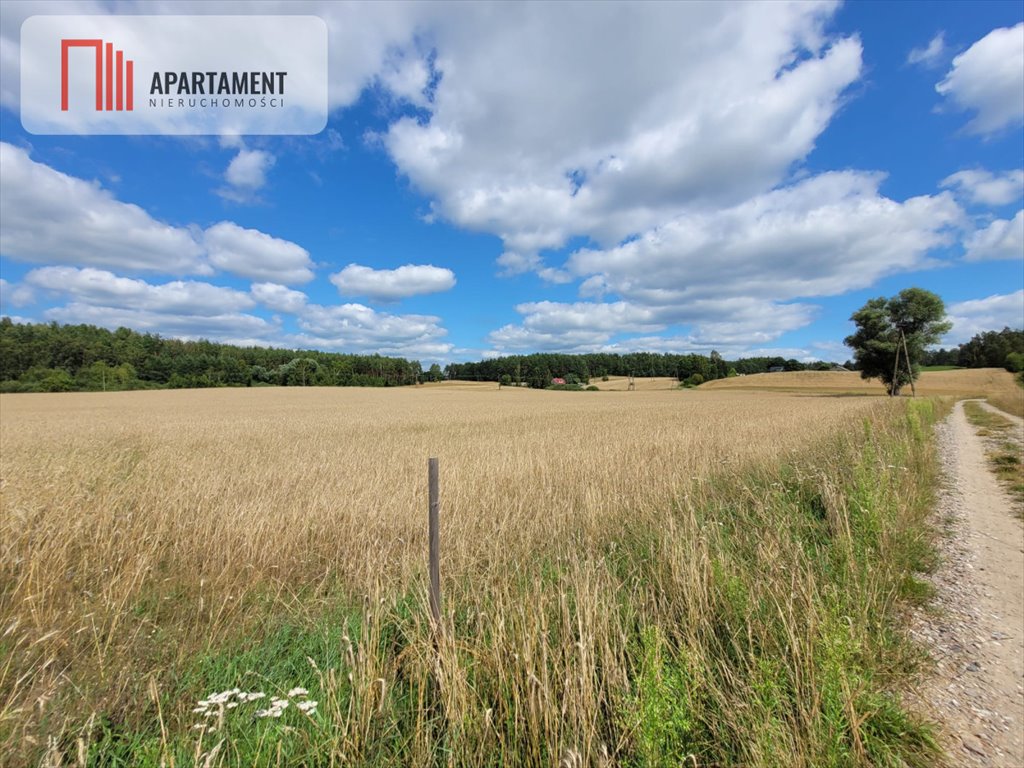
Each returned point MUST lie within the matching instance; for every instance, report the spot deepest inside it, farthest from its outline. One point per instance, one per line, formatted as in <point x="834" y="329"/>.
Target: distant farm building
<point x="776" y="369"/>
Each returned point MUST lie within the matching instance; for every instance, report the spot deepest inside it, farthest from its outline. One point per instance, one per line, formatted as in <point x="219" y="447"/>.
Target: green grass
<point x="942" y="367"/>
<point x="1005" y="461"/>
<point x="1004" y="455"/>
<point x="986" y="420"/>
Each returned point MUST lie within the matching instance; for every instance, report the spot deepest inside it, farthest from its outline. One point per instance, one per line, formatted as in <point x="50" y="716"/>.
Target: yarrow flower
<point x="307" y="707"/>
<point x="216" y="704"/>
<point x="276" y="708"/>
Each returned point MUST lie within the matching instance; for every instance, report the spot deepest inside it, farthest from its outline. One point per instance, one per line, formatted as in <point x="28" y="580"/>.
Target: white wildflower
<point x="307" y="706"/>
<point x="298" y="692"/>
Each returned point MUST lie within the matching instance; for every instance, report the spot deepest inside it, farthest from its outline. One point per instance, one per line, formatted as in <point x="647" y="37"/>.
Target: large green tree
<point x="904" y="325"/>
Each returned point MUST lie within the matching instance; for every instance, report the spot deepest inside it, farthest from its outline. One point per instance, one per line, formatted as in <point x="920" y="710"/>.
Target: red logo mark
<point x="123" y="69"/>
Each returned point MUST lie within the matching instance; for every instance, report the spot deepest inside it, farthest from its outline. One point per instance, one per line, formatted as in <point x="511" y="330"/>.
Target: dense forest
<point x="63" y="358"/>
<point x="991" y="349"/>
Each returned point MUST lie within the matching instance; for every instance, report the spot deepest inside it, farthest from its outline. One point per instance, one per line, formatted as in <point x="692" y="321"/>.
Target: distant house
<point x="557" y="380"/>
<point x="776" y="369"/>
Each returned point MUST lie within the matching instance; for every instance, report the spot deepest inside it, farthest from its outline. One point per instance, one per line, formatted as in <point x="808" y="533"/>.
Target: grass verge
<point x="1003" y="452"/>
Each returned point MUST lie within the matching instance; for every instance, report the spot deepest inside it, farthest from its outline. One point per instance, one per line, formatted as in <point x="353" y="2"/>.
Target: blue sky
<point x="512" y="178"/>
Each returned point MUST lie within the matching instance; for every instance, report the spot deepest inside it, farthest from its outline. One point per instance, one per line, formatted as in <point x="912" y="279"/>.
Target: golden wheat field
<point x="286" y="482"/>
<point x="141" y="530"/>
<point x="992" y="382"/>
<point x="640" y="383"/>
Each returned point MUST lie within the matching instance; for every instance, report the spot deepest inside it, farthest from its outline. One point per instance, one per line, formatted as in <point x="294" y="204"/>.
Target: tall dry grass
<point x="611" y="561"/>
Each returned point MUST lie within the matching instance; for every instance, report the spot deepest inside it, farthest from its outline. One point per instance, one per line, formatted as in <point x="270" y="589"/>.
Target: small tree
<point x="892" y="335"/>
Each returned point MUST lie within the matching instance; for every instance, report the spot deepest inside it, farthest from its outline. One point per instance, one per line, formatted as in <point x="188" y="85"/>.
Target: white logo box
<point x="221" y="75"/>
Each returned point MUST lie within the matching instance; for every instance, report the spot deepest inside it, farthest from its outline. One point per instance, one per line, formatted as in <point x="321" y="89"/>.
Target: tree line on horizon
<point x="50" y="357"/>
<point x="538" y="369"/>
<point x="990" y="349"/>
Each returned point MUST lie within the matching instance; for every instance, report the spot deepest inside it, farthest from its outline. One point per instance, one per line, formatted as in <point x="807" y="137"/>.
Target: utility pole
<point x="910" y="369"/>
<point x="895" y="372"/>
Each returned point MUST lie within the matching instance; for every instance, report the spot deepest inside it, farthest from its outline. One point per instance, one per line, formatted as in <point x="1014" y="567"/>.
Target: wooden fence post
<point x="435" y="544"/>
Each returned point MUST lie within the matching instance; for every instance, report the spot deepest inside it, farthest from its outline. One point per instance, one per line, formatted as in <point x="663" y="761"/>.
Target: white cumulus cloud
<point x="592" y="134"/>
<point x="249" y="168"/>
<point x="257" y="255"/>
<point x="393" y="284"/>
<point x="278" y="297"/>
<point x="988" y="79"/>
<point x="51" y="217"/>
<point x="1002" y="239"/>
<point x="731" y="275"/>
<point x="986" y="188"/>
<point x="102" y="288"/>
<point x="246" y="175"/>
<point x="358" y="328"/>
<point x="931" y="54"/>
<point x="591" y="327"/>
<point x="823" y="236"/>
<point x="54" y="218"/>
<point x="14" y="295"/>
<point x="992" y="313"/>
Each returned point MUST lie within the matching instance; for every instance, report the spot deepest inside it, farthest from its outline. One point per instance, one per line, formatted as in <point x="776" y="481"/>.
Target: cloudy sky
<point x="519" y="177"/>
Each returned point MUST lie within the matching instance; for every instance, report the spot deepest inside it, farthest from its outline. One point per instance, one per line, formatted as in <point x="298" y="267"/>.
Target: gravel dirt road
<point x="975" y="627"/>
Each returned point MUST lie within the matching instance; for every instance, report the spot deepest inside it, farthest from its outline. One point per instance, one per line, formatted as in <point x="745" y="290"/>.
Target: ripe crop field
<point x="640" y="383"/>
<point x="630" y="578"/>
<point x="995" y="384"/>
